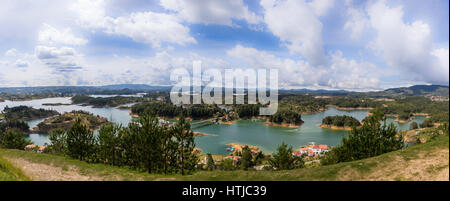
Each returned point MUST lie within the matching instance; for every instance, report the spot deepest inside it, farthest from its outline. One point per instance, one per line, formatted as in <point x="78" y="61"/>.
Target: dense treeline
<point x="14" y="124"/>
<point x="27" y="113"/>
<point x="104" y="101"/>
<point x="406" y="107"/>
<point x="163" y="109"/>
<point x="286" y="116"/>
<point x="247" y="110"/>
<point x="302" y="103"/>
<point x="341" y="121"/>
<point x="144" y="145"/>
<point x="353" y="102"/>
<point x="372" y="139"/>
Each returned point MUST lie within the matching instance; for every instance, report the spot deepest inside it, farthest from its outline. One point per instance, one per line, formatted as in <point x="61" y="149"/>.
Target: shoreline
<point x="336" y="127"/>
<point x="200" y="134"/>
<point x="351" y="108"/>
<point x="283" y="125"/>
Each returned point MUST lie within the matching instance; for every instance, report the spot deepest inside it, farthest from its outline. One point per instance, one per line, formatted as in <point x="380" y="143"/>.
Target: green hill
<point x="428" y="161"/>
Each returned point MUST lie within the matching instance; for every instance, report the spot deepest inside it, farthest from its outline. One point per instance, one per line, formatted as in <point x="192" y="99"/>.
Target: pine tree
<point x="246" y="159"/>
<point x="80" y="141"/>
<point x="210" y="165"/>
<point x="184" y="138"/>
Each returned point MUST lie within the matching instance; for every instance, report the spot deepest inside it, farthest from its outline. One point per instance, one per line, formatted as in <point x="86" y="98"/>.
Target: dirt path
<point x="44" y="172"/>
<point x="428" y="167"/>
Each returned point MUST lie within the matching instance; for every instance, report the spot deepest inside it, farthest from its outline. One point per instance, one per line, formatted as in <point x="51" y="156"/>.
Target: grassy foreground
<point x="428" y="161"/>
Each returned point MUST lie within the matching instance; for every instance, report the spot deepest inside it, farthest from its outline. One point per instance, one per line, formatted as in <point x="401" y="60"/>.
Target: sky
<point x="315" y="44"/>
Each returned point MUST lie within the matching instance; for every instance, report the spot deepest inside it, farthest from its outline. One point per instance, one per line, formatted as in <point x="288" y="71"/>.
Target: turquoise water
<point x="252" y="132"/>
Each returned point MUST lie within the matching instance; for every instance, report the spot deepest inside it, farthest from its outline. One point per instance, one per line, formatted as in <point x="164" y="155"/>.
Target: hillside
<point x="428" y="161"/>
<point x="420" y="90"/>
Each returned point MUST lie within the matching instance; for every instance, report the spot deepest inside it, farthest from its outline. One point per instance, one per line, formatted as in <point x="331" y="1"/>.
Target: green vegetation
<point x="27" y="113"/>
<point x="286" y="116"/>
<point x="351" y="102"/>
<point x="13" y="139"/>
<point x="302" y="104"/>
<point x="284" y="160"/>
<point x="163" y="109"/>
<point x="9" y="173"/>
<point x="406" y="107"/>
<point x="372" y="139"/>
<point x="64" y="121"/>
<point x="413" y="126"/>
<point x="391" y="165"/>
<point x="104" y="102"/>
<point x="144" y="145"/>
<point x="14" y="124"/>
<point x="341" y="121"/>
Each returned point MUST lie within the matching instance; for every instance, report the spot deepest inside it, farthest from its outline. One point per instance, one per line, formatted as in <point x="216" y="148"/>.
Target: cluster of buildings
<point x="312" y="150"/>
<point x="35" y="148"/>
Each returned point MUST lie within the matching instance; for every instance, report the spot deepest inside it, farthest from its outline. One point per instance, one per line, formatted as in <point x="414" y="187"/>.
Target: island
<point x="64" y="121"/>
<point x="25" y="113"/>
<point x="340" y="122"/>
<point x="98" y="102"/>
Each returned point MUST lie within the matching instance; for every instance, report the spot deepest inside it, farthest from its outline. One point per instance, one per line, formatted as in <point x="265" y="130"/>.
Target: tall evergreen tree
<point x="80" y="141"/>
<point x="246" y="159"/>
<point x="13" y="139"/>
<point x="283" y="159"/>
<point x="184" y="137"/>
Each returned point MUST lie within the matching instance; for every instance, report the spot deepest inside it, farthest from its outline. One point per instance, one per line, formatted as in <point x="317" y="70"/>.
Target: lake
<point x="252" y="132"/>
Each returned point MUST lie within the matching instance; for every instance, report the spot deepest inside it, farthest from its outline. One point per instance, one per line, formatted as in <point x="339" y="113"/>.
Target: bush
<point x="413" y="126"/>
<point x="13" y="139"/>
<point x="372" y="139"/>
<point x="284" y="160"/>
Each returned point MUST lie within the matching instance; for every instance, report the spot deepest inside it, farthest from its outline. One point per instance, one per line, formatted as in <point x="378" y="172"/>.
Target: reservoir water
<point x="252" y="132"/>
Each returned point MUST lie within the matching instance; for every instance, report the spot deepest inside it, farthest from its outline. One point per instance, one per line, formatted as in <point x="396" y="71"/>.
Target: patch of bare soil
<point x="44" y="172"/>
<point x="429" y="167"/>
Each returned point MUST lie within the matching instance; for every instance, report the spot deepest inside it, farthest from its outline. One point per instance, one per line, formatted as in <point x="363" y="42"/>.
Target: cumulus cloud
<point x="407" y="46"/>
<point x="21" y="64"/>
<point x="321" y="7"/>
<point x="152" y="28"/>
<point x="50" y="35"/>
<point x="11" y="52"/>
<point x="211" y="12"/>
<point x="61" y="60"/>
<point x="45" y="52"/>
<point x="146" y="27"/>
<point x="357" y="23"/>
<point x="296" y="23"/>
<point x="342" y="73"/>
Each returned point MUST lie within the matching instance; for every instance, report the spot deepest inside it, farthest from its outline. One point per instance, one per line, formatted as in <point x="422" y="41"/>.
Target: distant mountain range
<point x="420" y="90"/>
<point x="426" y="90"/>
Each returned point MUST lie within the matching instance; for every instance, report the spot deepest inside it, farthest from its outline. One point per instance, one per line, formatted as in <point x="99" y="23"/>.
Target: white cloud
<point x="21" y="64"/>
<point x="357" y="22"/>
<point x="152" y="28"/>
<point x="342" y="73"/>
<point x="296" y="23"/>
<point x="407" y="46"/>
<point x="45" y="52"/>
<point x="11" y="52"/>
<point x="212" y="11"/>
<point x="146" y="27"/>
<point x="50" y="35"/>
<point x="321" y="7"/>
<point x="91" y="13"/>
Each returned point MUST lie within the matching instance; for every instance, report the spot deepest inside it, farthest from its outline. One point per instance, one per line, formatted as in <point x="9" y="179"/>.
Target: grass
<point x="10" y="173"/>
<point x="387" y="166"/>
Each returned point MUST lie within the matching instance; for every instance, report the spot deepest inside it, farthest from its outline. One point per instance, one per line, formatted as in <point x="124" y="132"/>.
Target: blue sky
<point x="326" y="44"/>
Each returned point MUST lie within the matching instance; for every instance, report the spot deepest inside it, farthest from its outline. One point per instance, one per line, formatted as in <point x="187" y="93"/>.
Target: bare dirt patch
<point x="44" y="172"/>
<point x="434" y="167"/>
